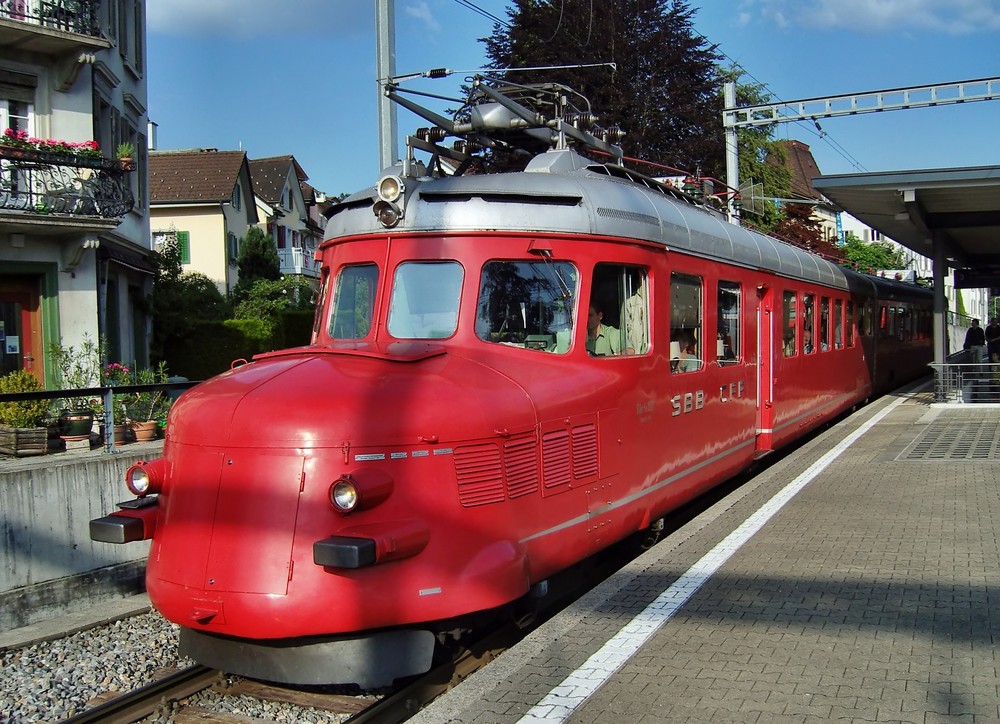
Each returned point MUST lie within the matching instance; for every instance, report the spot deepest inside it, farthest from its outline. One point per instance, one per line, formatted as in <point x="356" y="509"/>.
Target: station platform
<point x="855" y="579"/>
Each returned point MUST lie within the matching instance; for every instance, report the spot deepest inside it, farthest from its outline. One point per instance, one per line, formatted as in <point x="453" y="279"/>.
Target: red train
<point x="508" y="372"/>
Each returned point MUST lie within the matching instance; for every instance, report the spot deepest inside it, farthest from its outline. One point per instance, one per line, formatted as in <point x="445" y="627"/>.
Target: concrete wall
<point x="49" y="565"/>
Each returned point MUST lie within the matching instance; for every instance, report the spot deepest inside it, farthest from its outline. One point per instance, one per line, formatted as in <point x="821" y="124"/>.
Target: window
<point x="354" y="302"/>
<point x="824" y="324"/>
<point x="425" y="298"/>
<point x="728" y="350"/>
<point x="685" y="323"/>
<point x="808" y="324"/>
<point x="181" y="238"/>
<point x="233" y="247"/>
<point x="237" y="197"/>
<point x="788" y="325"/>
<point x="838" y="326"/>
<point x="618" y="317"/>
<point x="527" y="304"/>
<point x="850" y="323"/>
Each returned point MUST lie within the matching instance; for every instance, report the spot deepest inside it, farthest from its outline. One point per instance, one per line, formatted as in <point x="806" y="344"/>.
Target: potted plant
<point x="125" y="153"/>
<point x="79" y="368"/>
<point x="21" y="432"/>
<point x="145" y="409"/>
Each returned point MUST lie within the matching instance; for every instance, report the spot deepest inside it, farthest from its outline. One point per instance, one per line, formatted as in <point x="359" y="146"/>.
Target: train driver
<point x="602" y="339"/>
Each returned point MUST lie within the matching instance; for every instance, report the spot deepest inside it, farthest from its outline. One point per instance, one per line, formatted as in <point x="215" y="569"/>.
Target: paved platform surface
<point x="871" y="594"/>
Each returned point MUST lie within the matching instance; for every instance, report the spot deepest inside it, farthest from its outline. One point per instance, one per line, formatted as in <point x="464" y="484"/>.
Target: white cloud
<point x="955" y="17"/>
<point x="248" y="19"/>
<point x="421" y="11"/>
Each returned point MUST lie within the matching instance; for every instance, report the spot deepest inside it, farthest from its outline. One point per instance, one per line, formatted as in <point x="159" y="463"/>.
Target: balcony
<point x="60" y="190"/>
<point x="297" y="260"/>
<point x="51" y="27"/>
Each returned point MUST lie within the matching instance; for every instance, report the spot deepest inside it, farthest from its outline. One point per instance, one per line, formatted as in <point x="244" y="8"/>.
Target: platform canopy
<point x="958" y="207"/>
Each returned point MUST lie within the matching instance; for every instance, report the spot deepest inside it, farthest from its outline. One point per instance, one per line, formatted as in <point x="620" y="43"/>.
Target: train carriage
<point x="454" y="435"/>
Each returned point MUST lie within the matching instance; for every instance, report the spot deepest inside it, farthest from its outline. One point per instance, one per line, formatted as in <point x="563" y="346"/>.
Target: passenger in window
<point x="684" y="352"/>
<point x="634" y="317"/>
<point x="602" y="339"/>
<point x="807" y="341"/>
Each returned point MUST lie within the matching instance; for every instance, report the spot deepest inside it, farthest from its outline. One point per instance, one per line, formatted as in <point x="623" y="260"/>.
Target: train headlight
<point x="145" y="478"/>
<point x="344" y="495"/>
<point x="360" y="490"/>
<point x="388" y="213"/>
<point x="390" y="188"/>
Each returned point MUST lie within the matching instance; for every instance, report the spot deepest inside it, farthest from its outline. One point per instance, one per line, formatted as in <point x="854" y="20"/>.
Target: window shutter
<point x="184" y="246"/>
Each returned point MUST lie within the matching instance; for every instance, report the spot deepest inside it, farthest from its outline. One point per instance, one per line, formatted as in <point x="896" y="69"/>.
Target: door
<point x="765" y="370"/>
<point x="20" y="328"/>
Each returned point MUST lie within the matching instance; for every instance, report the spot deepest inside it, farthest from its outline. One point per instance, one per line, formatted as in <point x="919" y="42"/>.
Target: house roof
<point x="270" y="174"/>
<point x="803" y="169"/>
<point x="194" y="176"/>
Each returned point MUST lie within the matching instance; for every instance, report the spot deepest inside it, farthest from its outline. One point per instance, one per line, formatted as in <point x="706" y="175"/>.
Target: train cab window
<point x="838" y="323"/>
<point x="824" y="323"/>
<point x="425" y="298"/>
<point x="849" y="323"/>
<point x="685" y="323"/>
<point x="527" y="304"/>
<point x="353" y="302"/>
<point x="618" y="319"/>
<point x="788" y="324"/>
<point x="808" y="324"/>
<point x="728" y="339"/>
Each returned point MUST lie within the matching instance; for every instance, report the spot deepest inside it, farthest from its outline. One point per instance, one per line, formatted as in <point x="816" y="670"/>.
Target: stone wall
<point x="49" y="565"/>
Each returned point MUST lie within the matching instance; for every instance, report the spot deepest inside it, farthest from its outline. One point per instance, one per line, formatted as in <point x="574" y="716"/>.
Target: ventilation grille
<point x="584" y="451"/>
<point x="948" y="440"/>
<point x="477" y="469"/>
<point x="555" y="458"/>
<point x="623" y="215"/>
<point x="521" y="466"/>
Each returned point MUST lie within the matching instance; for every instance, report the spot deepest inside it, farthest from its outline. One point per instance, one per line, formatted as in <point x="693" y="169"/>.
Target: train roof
<point x="559" y="191"/>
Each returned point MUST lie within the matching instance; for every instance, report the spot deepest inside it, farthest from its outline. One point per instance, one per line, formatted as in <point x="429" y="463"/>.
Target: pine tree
<point x="258" y="259"/>
<point x="664" y="92"/>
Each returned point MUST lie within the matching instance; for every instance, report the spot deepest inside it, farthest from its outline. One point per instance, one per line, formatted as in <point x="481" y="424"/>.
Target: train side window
<point x="620" y="299"/>
<point x="685" y="323"/>
<point x="824" y="324"/>
<point x="789" y="329"/>
<point x="527" y="304"/>
<point x="425" y="299"/>
<point x="808" y="324"/>
<point x="850" y="323"/>
<point x="838" y="323"/>
<point x="354" y="302"/>
<point x="728" y="343"/>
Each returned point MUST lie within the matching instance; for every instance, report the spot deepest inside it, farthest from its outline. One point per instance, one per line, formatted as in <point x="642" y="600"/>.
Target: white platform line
<point x="562" y="701"/>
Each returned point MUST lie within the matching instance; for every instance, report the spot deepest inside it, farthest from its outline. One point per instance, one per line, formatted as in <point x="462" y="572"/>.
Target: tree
<point x="266" y="299"/>
<point x="801" y="228"/>
<point x="664" y="91"/>
<point x="871" y="257"/>
<point x="179" y="298"/>
<point x="258" y="259"/>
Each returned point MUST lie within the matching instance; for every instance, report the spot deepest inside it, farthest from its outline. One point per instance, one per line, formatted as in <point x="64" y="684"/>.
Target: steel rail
<point x="144" y="701"/>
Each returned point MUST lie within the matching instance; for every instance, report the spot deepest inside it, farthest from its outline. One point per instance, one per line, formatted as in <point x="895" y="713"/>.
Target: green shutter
<point x="184" y="246"/>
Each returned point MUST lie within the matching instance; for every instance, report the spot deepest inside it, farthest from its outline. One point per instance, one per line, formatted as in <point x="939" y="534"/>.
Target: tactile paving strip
<point x="949" y="440"/>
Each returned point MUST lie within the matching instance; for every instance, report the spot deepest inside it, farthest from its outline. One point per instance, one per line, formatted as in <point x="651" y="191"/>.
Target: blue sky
<point x="298" y="77"/>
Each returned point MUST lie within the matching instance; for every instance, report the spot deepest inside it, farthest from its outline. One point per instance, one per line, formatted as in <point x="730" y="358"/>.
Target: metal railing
<point x="107" y="394"/>
<point x="37" y="182"/>
<point x="966" y="380"/>
<point x="74" y="16"/>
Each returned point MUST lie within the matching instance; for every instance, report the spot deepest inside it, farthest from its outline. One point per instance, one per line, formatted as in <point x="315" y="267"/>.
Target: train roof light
<point x="388" y="213"/>
<point x="390" y="188"/>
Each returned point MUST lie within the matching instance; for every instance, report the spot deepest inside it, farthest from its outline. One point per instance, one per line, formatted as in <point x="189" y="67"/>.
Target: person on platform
<point x="975" y="341"/>
<point x="992" y="333"/>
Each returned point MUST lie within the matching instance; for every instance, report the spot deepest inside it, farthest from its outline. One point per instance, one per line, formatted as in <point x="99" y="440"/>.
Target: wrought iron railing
<point x="966" y="380"/>
<point x="38" y="182"/>
<point x="74" y="16"/>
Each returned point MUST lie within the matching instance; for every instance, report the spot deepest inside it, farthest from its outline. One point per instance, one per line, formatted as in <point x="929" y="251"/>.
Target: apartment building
<point x="75" y="258"/>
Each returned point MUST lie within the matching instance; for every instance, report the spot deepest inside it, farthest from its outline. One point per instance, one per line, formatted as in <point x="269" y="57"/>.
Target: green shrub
<point x="24" y="413"/>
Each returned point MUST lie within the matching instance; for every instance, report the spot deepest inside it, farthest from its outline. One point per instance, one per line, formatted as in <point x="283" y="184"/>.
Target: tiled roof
<point x="803" y="169"/>
<point x="201" y="175"/>
<point x="269" y="175"/>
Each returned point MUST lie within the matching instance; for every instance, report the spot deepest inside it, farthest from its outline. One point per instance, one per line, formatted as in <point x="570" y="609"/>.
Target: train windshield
<point x="527" y="304"/>
<point x="354" y="302"/>
<point x="425" y="298"/>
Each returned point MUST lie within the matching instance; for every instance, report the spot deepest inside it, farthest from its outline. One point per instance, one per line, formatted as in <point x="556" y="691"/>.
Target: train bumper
<point x="135" y="521"/>
<point x="371" y="661"/>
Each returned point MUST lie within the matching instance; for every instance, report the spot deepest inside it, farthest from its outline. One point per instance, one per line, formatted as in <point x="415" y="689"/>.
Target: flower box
<point x="23" y="441"/>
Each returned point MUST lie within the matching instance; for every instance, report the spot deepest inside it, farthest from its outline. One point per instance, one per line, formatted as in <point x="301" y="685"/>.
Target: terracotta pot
<point x="144" y="431"/>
